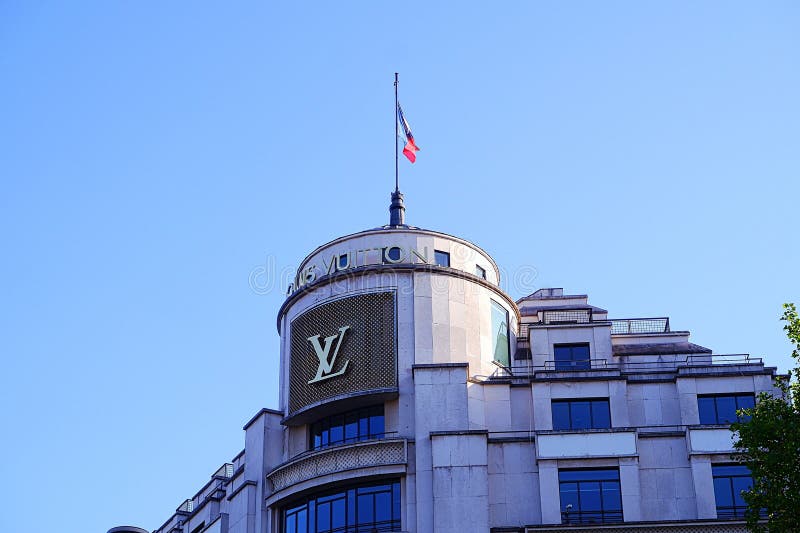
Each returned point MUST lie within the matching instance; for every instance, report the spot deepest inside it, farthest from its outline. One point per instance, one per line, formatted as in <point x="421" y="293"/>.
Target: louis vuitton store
<point x="417" y="396"/>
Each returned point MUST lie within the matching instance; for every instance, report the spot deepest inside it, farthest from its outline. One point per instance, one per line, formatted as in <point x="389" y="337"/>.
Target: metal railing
<point x="591" y="517"/>
<point x="226" y="471"/>
<point x="633" y="326"/>
<point x="571" y="316"/>
<point x="521" y="369"/>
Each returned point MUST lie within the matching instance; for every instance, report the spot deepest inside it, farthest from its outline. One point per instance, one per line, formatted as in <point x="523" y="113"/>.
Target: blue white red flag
<point x="410" y="149"/>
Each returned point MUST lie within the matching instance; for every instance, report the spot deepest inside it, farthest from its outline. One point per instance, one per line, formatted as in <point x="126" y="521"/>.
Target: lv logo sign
<point x="326" y="358"/>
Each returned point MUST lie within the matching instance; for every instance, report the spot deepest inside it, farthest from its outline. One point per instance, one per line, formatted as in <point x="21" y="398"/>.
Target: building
<point x="416" y="396"/>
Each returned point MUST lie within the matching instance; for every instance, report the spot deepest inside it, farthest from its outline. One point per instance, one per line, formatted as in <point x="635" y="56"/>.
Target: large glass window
<point x="729" y="483"/>
<point x="581" y="414"/>
<point x="360" y="424"/>
<point x="361" y="509"/>
<point x="590" y="496"/>
<point x="721" y="409"/>
<point x="500" y="343"/>
<point x="572" y="356"/>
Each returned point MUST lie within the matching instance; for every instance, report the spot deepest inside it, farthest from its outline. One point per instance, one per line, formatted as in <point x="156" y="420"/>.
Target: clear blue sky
<point x="153" y="154"/>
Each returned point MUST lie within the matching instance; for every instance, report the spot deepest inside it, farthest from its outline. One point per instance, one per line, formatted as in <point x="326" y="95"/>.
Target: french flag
<point x="410" y="149"/>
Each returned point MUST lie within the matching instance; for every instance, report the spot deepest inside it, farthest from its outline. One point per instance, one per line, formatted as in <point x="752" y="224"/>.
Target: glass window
<point x="360" y="424"/>
<point x="729" y="483"/>
<point x="572" y="356"/>
<point x="500" y="343"/>
<point x="480" y="272"/>
<point x="721" y="408"/>
<point x="590" y="496"/>
<point x="581" y="414"/>
<point x="359" y="509"/>
<point x="441" y="258"/>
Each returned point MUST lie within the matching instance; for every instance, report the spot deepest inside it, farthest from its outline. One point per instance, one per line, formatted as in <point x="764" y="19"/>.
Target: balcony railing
<point x="591" y="517"/>
<point x="635" y="326"/>
<point x="364" y="454"/>
<point x="521" y="369"/>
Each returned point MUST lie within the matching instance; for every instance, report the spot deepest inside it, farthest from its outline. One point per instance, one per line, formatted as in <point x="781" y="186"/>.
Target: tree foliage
<point x="769" y="444"/>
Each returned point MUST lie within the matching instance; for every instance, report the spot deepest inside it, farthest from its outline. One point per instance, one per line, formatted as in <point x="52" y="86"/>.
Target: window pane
<point x="730" y="470"/>
<point x="383" y="506"/>
<point x="366" y="512"/>
<point x="376" y="428"/>
<point x="561" y="415"/>
<point x="722" y="492"/>
<point x="708" y="411"/>
<point x="291" y="524"/>
<point x="601" y="417"/>
<point x="746" y="401"/>
<point x="500" y="343"/>
<point x="590" y="495"/>
<point x="580" y="352"/>
<point x="480" y="272"/>
<point x="726" y="409"/>
<point x="581" y="416"/>
<point x="396" y="501"/>
<point x="610" y="474"/>
<point x="337" y="434"/>
<point x="441" y="258"/>
<point x="324" y="516"/>
<point x="351" y="427"/>
<point x="612" y="499"/>
<point x="339" y="514"/>
<point x="302" y="527"/>
<point x="562" y="353"/>
<point x="569" y="496"/>
<point x="740" y="484"/>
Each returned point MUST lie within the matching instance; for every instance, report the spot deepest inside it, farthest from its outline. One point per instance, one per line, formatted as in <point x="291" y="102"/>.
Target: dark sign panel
<point x="342" y="347"/>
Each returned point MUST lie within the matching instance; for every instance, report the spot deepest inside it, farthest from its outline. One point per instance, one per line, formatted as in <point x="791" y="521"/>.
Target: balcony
<point x="348" y="457"/>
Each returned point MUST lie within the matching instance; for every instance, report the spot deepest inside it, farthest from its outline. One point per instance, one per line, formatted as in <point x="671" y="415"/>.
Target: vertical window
<point x="360" y="424"/>
<point x="480" y="271"/>
<point x="729" y="483"/>
<point x="721" y="408"/>
<point x="581" y="414"/>
<point x="442" y="258"/>
<point x="500" y="341"/>
<point x="572" y="356"/>
<point x="590" y="496"/>
<point x="365" y="508"/>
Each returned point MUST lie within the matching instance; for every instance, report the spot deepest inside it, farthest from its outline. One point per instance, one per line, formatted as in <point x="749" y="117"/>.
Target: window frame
<point x="339" y="422"/>
<point x="718" y="421"/>
<point x="497" y="306"/>
<point x="570" y="401"/>
<point x="571" y="364"/>
<point x="309" y="508"/>
<point x="480" y="271"/>
<point x="592" y="475"/>
<point x="730" y="511"/>
<point x="437" y="254"/>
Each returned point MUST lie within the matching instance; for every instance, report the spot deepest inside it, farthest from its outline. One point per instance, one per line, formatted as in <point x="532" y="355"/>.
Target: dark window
<point x="590" y="496"/>
<point x="721" y="409"/>
<point x="480" y="272"/>
<point x="729" y="482"/>
<point x="572" y="356"/>
<point x="581" y="414"/>
<point x="500" y="342"/>
<point x="361" y="509"/>
<point x="442" y="258"/>
<point x="361" y="424"/>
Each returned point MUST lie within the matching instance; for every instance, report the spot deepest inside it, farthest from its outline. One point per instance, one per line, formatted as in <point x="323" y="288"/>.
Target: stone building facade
<point x="417" y="396"/>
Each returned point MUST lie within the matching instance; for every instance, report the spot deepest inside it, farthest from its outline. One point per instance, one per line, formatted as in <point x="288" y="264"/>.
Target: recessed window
<point x="721" y="408"/>
<point x="442" y="258"/>
<point x="500" y="342"/>
<point x="590" y="496"/>
<point x="729" y="483"/>
<point x="353" y="426"/>
<point x="372" y="507"/>
<point x="572" y="356"/>
<point x="581" y="414"/>
<point x="480" y="271"/>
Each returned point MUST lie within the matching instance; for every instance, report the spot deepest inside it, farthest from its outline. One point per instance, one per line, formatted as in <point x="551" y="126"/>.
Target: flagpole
<point x="396" y="126"/>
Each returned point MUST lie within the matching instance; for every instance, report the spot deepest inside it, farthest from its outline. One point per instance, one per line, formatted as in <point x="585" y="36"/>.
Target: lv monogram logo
<point x="326" y="360"/>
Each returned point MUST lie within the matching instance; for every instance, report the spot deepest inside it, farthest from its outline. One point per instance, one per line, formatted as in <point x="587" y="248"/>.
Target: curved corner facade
<point x="416" y="396"/>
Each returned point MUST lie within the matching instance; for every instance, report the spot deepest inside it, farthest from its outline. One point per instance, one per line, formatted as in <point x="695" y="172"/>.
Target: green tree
<point x="769" y="444"/>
